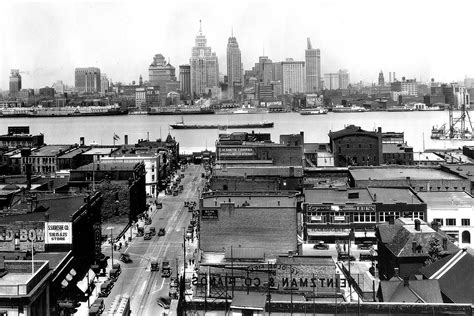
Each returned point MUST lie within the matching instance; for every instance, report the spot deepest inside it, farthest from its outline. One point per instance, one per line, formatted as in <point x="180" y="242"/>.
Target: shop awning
<point x="370" y="234"/>
<point x="83" y="284"/>
<point x="344" y="232"/>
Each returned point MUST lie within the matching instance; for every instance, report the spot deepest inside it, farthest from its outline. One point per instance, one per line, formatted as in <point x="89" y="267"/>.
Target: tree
<point x="434" y="250"/>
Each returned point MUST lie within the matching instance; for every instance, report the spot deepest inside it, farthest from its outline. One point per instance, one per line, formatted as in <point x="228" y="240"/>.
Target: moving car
<point x="163" y="302"/>
<point x="344" y="256"/>
<point x="125" y="257"/>
<point x="155" y="265"/>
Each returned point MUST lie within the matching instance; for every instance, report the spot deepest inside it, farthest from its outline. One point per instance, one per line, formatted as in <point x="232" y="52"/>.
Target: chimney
<point x="406" y="281"/>
<point x="26" y="153"/>
<point x="46" y="217"/>
<point x="81" y="141"/>
<point x="445" y="243"/>
<point x="375" y="197"/>
<point x="125" y="138"/>
<point x="379" y="129"/>
<point x="396" y="272"/>
<point x="417" y="225"/>
<point x="413" y="246"/>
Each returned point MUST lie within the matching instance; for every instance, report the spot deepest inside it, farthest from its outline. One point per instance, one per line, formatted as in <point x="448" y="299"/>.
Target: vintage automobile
<point x="320" y="245"/>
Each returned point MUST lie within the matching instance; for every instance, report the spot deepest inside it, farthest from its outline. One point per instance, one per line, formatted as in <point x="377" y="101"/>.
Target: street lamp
<point x="112" y="243"/>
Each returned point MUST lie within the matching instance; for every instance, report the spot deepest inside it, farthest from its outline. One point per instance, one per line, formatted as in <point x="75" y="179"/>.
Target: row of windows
<point x="362" y="217"/>
<point x="452" y="221"/>
<point x="440" y="188"/>
<point x="40" y="160"/>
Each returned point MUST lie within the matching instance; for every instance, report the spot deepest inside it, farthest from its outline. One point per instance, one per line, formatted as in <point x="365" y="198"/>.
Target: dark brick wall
<point x="271" y="228"/>
<point x="354" y="150"/>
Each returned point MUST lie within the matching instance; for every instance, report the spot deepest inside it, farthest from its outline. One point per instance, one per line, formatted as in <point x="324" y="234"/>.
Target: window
<point x="360" y="145"/>
<point x="152" y="177"/>
<point x="466" y="237"/>
<point x="450" y="222"/>
<point x="439" y="221"/>
<point x="466" y="222"/>
<point x="348" y="145"/>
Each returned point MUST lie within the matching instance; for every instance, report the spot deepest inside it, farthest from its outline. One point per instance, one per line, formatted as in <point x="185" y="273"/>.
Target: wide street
<point x="136" y="279"/>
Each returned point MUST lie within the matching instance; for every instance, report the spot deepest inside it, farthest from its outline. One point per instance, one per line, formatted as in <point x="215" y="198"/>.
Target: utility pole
<point x="111" y="244"/>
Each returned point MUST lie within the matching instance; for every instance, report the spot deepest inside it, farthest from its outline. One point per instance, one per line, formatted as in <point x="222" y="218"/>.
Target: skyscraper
<point x="313" y="69"/>
<point x="15" y="81"/>
<point x="185" y="80"/>
<point x="87" y="80"/>
<point x="204" y="66"/>
<point x="343" y="78"/>
<point x="160" y="72"/>
<point x="234" y="63"/>
<point x="293" y="76"/>
<point x="104" y="83"/>
<point x="381" y="79"/>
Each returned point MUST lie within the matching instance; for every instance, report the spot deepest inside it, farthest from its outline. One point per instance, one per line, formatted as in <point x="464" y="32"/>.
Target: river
<point x="100" y="129"/>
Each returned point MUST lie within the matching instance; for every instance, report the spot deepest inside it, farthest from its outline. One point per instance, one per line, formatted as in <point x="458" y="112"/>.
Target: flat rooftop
<point x="336" y="196"/>
<point x="390" y="173"/>
<point x="389" y="148"/>
<point x="59" y="209"/>
<point x="251" y="201"/>
<point x="50" y="150"/>
<point x="73" y="153"/>
<point x="107" y="166"/>
<point x="283" y="171"/>
<point x="100" y="151"/>
<point x="425" y="156"/>
<point x="394" y="195"/>
<point x="447" y="199"/>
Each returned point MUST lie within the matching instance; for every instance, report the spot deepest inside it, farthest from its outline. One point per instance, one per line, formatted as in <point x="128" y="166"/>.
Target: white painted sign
<point x="58" y="233"/>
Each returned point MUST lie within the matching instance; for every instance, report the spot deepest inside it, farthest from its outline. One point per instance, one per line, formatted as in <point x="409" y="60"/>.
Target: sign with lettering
<point x="209" y="214"/>
<point x="58" y="233"/>
<point x="236" y="152"/>
<point x="342" y="207"/>
<point x="20" y="236"/>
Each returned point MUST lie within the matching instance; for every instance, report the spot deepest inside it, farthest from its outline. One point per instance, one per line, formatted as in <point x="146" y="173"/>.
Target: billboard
<point x="20" y="236"/>
<point x="209" y="214"/>
<point x="236" y="152"/>
<point x="58" y="233"/>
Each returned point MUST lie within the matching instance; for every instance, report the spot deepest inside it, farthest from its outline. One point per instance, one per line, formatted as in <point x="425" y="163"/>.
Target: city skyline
<point x="361" y="37"/>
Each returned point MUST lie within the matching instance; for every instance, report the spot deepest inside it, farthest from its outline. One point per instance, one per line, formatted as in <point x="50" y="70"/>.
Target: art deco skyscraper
<point x="234" y="63"/>
<point x="313" y="69"/>
<point x="204" y="66"/>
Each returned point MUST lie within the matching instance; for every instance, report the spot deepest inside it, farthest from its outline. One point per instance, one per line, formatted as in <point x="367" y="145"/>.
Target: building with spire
<point x="381" y="79"/>
<point x="234" y="63"/>
<point x="204" y="66"/>
<point x="313" y="68"/>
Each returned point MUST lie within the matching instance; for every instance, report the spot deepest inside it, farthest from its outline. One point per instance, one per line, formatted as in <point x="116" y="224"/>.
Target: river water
<point x="101" y="129"/>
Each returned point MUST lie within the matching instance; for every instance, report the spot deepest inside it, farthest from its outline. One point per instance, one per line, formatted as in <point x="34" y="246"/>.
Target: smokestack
<point x="25" y="153"/>
<point x="417" y="225"/>
<point x="394" y="79"/>
<point x="125" y="138"/>
<point x="81" y="141"/>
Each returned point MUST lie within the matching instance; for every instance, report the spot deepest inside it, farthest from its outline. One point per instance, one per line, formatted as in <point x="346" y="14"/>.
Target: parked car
<point x="152" y="231"/>
<point x="155" y="265"/>
<point x="114" y="274"/>
<point x="97" y="307"/>
<point x="161" y="232"/>
<point x="344" y="256"/>
<point x="125" y="257"/>
<point x="320" y="245"/>
<point x="105" y="288"/>
<point x="163" y="302"/>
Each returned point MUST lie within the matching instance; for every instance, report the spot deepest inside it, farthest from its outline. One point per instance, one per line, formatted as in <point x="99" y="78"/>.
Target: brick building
<point x="260" y="220"/>
<point x="19" y="136"/>
<point x="354" y="146"/>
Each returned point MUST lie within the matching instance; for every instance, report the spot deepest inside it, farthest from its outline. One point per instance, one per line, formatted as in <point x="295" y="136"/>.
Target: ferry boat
<point x="179" y="111"/>
<point x="63" y="111"/>
<point x="343" y="109"/>
<point x="316" y="111"/>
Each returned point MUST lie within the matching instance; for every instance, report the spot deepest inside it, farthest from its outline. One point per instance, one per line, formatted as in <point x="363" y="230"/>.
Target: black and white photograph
<point x="236" y="158"/>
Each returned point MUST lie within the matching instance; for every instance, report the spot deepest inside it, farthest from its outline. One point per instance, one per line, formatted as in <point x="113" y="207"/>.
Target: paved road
<point x="136" y="279"/>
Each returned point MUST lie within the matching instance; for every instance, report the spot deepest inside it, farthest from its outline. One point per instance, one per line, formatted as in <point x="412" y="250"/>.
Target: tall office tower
<point x="185" y="80"/>
<point x="381" y="79"/>
<point x="204" y="66"/>
<point x="234" y="63"/>
<point x="343" y="79"/>
<point x="161" y="72"/>
<point x="87" y="80"/>
<point x="104" y="83"/>
<point x="313" y="68"/>
<point x="293" y="76"/>
<point x="390" y="77"/>
<point x="331" y="81"/>
<point x="15" y="81"/>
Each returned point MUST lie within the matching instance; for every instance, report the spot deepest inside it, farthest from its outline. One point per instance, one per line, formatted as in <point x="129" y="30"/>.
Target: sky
<point x="416" y="39"/>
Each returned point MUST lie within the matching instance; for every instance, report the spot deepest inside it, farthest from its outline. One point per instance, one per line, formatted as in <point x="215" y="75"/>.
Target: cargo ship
<point x="182" y="125"/>
<point x="179" y="111"/>
<point x="63" y="111"/>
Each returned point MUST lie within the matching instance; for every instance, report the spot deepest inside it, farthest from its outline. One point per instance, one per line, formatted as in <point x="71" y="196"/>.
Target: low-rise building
<point x="335" y="214"/>
<point x="427" y="159"/>
<point x="43" y="160"/>
<point x="403" y="247"/>
<point x="20" y="137"/>
<point x="397" y="154"/>
<point x="420" y="179"/>
<point x="453" y="211"/>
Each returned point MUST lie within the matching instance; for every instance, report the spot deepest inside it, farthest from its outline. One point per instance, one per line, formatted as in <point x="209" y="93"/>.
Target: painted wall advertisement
<point x="209" y="214"/>
<point x="236" y="152"/>
<point x="21" y="236"/>
<point x="58" y="233"/>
